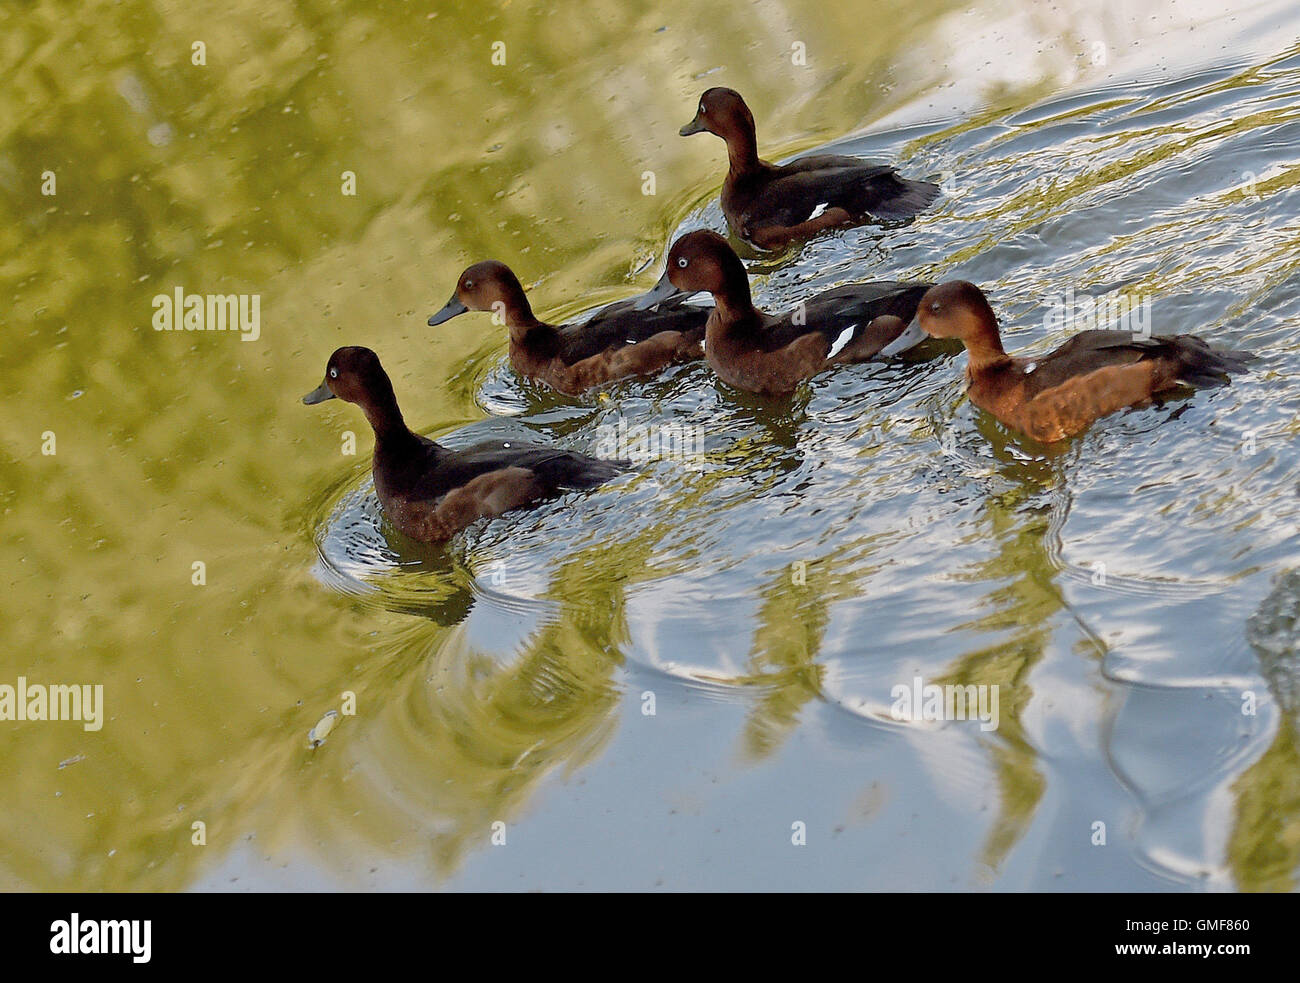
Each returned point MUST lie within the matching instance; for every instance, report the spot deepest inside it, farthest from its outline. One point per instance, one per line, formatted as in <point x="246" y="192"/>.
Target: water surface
<point x="1128" y="594"/>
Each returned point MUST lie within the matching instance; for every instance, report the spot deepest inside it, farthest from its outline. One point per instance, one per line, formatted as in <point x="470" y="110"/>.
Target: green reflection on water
<point x="226" y="177"/>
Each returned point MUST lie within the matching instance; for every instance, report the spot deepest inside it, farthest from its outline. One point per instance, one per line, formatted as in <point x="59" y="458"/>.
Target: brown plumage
<point x="771" y="354"/>
<point x="770" y="205"/>
<point x="430" y="492"/>
<point x="1060" y="394"/>
<point x="618" y="341"/>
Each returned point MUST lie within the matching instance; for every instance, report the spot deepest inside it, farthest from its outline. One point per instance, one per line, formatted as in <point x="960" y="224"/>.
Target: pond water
<point x="1133" y="596"/>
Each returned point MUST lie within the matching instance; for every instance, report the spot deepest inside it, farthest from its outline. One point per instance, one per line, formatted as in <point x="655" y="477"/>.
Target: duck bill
<point x="661" y="291"/>
<point x="694" y="126"/>
<point x="452" y="309"/>
<point x="319" y="395"/>
<point x="912" y="336"/>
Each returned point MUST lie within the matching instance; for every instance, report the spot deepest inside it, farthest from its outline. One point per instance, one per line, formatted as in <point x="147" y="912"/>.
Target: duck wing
<point x="803" y="189"/>
<point x="554" y="468"/>
<point x="849" y="308"/>
<point x="620" y="324"/>
<point x="1186" y="358"/>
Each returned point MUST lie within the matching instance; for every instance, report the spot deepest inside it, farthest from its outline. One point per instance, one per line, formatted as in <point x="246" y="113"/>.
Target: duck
<point x="771" y="354"/>
<point x="770" y="206"/>
<point x="430" y="492"/>
<point x="1061" y="394"/>
<point x="617" y="342"/>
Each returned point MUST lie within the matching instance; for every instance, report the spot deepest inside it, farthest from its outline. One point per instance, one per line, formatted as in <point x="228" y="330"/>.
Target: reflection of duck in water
<point x="1264" y="846"/>
<point x="1274" y="632"/>
<point x="430" y="492"/>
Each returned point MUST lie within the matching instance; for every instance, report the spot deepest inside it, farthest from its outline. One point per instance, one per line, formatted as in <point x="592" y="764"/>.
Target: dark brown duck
<point x="771" y="354"/>
<point x="770" y="205"/>
<point x="617" y="342"/>
<point x="430" y="492"/>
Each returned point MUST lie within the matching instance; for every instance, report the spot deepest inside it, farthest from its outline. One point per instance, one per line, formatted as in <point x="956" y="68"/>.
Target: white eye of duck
<point x="469" y="284"/>
<point x="682" y="261"/>
<point x="334" y="373"/>
<point x="703" y="111"/>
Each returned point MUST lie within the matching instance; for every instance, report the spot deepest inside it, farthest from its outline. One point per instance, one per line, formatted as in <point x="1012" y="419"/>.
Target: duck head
<point x="956" y="309"/>
<point x="487" y="286"/>
<point x="700" y="260"/>
<point x="354" y="375"/>
<point x="351" y="375"/>
<point x="723" y="113"/>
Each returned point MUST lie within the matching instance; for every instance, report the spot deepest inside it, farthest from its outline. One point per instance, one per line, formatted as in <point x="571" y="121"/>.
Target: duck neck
<point x="735" y="309"/>
<point x="382" y="411"/>
<point x="734" y="303"/>
<point x="523" y="324"/>
<point x="742" y="151"/>
<point x="984" y="349"/>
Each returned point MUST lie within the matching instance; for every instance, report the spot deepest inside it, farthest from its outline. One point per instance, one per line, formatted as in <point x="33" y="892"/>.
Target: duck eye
<point x="469" y="284"/>
<point x="934" y="307"/>
<point x="703" y="111"/>
<point x="682" y="262"/>
<point x="334" y="373"/>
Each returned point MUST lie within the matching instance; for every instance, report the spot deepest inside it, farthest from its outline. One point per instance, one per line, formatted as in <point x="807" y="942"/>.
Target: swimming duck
<point x="429" y="492"/>
<point x="1058" y="395"/>
<point x="770" y="206"/>
<point x="616" y="342"/>
<point x="771" y="354"/>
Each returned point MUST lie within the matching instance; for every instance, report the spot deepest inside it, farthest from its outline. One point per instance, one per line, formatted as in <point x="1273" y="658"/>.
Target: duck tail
<point x="589" y="472"/>
<point x="909" y="198"/>
<point x="1202" y="366"/>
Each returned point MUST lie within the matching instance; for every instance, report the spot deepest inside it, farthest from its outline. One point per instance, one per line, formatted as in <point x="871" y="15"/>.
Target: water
<point x="1129" y="595"/>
